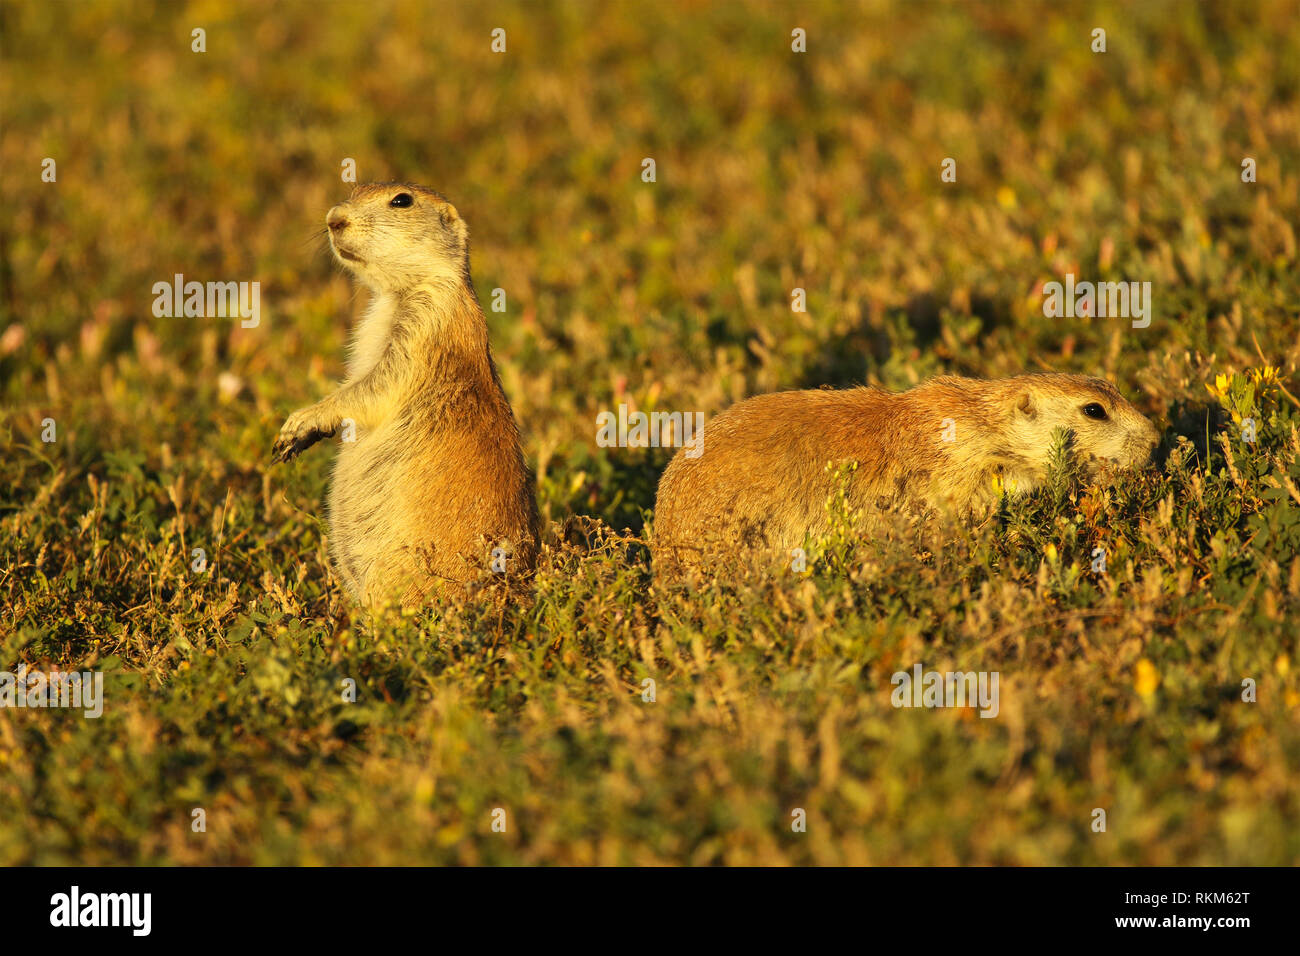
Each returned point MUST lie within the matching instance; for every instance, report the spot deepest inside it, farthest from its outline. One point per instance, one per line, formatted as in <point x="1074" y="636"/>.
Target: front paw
<point x="300" y="431"/>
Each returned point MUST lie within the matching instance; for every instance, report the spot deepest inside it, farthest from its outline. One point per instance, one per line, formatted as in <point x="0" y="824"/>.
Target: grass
<point x="225" y="689"/>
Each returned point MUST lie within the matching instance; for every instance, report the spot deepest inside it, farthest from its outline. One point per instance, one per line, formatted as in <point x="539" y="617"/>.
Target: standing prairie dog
<point x="434" y="489"/>
<point x="762" y="480"/>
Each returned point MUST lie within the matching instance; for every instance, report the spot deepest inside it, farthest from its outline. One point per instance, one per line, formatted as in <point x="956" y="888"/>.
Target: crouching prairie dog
<point x="762" y="482"/>
<point x="430" y="489"/>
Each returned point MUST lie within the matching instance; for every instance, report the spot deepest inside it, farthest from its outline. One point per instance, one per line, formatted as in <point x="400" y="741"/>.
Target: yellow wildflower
<point x="1265" y="376"/>
<point x="1146" y="678"/>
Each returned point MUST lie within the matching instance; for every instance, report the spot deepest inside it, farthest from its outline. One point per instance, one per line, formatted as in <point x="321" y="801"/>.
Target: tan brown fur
<point x="436" y="478"/>
<point x="761" y="480"/>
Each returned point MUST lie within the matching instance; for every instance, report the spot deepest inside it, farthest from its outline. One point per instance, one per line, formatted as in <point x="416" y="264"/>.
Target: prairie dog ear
<point x="449" y="214"/>
<point x="1024" y="406"/>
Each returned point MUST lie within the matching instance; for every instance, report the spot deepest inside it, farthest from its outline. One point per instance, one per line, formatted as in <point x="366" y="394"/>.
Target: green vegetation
<point x="1120" y="690"/>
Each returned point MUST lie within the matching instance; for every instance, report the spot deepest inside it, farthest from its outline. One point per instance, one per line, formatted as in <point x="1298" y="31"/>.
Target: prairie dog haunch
<point x="434" y="490"/>
<point x="762" y="481"/>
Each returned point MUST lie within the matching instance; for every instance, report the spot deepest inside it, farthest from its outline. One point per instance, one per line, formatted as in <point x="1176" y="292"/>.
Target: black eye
<point x="402" y="199"/>
<point x="1093" y="410"/>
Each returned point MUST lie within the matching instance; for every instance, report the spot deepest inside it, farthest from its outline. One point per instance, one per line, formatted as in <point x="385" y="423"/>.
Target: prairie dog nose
<point x="337" y="218"/>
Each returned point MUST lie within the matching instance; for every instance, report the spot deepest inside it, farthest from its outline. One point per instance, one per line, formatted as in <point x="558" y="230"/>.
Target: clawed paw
<point x="299" y="432"/>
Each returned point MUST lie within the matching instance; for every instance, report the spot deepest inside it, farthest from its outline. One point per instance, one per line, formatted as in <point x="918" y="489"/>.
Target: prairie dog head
<point x="1104" y="426"/>
<point x="396" y="236"/>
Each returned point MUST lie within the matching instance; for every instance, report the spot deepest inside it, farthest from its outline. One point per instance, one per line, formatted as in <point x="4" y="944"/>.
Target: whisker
<point x="317" y="234"/>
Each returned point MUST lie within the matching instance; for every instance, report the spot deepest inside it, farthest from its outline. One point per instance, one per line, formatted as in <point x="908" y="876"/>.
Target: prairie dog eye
<point x="402" y="199"/>
<point x="1094" y="410"/>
